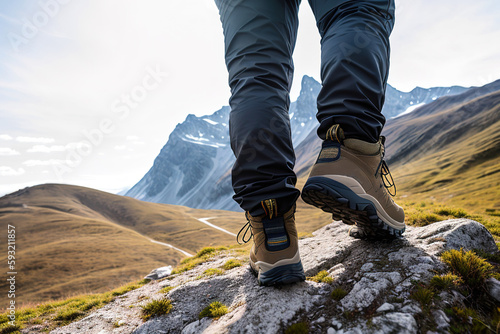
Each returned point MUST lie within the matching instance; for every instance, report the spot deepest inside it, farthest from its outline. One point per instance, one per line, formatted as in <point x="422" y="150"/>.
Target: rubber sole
<point x="286" y="274"/>
<point x="345" y="205"/>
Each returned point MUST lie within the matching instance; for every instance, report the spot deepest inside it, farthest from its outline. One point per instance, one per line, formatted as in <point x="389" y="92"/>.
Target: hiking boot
<point x="351" y="180"/>
<point x="274" y="256"/>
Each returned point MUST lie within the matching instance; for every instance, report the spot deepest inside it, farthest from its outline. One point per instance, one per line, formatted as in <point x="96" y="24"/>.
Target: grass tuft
<point x="202" y="256"/>
<point x="214" y="310"/>
<point x="321" y="277"/>
<point x="156" y="308"/>
<point x="338" y="293"/>
<point x="213" y="271"/>
<point x="423" y="296"/>
<point x="453" y="212"/>
<point x="124" y="289"/>
<point x="232" y="263"/>
<point x="6" y="328"/>
<point x="166" y="289"/>
<point x="471" y="268"/>
<point x="298" y="328"/>
<point x="446" y="281"/>
<point x="466" y="320"/>
<point x="69" y="315"/>
<point x="422" y="218"/>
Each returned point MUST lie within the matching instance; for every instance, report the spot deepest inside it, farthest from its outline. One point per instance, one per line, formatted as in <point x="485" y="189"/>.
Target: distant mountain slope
<point x="193" y="168"/>
<point x="397" y="102"/>
<point x="444" y="122"/>
<point x="450" y="149"/>
<point x="197" y="153"/>
<point x="73" y="240"/>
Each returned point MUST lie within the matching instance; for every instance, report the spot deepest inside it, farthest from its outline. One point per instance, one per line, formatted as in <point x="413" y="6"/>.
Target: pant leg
<point x="259" y="38"/>
<point x="354" y="65"/>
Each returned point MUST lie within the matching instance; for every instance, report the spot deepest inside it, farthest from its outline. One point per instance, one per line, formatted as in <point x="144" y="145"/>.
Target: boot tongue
<point x="270" y="208"/>
<point x="363" y="147"/>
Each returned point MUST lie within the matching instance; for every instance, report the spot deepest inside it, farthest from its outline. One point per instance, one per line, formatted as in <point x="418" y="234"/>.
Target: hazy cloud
<point x="56" y="148"/>
<point x="51" y="162"/>
<point x="6" y="137"/>
<point x="41" y="140"/>
<point x="9" y="171"/>
<point x="8" y="151"/>
<point x="46" y="149"/>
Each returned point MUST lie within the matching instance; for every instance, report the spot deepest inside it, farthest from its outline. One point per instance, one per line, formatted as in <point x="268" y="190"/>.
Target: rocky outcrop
<point x="377" y="276"/>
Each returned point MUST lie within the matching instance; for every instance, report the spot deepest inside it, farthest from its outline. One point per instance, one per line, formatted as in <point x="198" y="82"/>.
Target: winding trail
<point x="201" y="220"/>
<point x="205" y="221"/>
<point x="169" y="245"/>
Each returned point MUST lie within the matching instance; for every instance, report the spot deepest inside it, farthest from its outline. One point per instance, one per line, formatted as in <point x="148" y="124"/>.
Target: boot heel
<point x="286" y="274"/>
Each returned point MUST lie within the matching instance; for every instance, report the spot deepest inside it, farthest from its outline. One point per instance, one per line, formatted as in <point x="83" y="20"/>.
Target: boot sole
<point x="345" y="205"/>
<point x="287" y="274"/>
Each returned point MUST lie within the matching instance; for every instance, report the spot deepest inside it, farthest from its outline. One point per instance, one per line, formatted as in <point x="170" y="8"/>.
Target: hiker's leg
<point x="259" y="37"/>
<point x="349" y="175"/>
<point x="354" y="65"/>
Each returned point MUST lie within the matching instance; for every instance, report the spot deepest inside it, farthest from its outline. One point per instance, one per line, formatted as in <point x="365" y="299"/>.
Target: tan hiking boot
<point x="274" y="256"/>
<point x="351" y="180"/>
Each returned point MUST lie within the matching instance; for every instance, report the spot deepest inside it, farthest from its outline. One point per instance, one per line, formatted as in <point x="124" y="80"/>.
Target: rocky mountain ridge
<point x="379" y="280"/>
<point x="193" y="168"/>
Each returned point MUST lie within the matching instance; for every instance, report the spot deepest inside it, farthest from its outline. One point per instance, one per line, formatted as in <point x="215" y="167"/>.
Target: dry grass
<point x="73" y="240"/>
<point x="460" y="180"/>
<point x="62" y="312"/>
<point x="421" y="211"/>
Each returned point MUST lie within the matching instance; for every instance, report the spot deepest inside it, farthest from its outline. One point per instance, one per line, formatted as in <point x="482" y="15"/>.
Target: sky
<point x="90" y="90"/>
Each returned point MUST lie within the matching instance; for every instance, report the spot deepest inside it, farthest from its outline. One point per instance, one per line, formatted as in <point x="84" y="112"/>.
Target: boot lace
<point x="246" y="229"/>
<point x="386" y="176"/>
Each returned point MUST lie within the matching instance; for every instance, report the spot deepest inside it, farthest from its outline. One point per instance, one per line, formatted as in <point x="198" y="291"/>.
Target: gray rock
<point x="159" y="273"/>
<point x="372" y="273"/>
<point x="493" y="286"/>
<point x="385" y="307"/>
<point x="401" y="323"/>
<point x="365" y="292"/>
<point x="441" y="319"/>
<point x="366" y="266"/>
<point x="411" y="308"/>
<point x="337" y="324"/>
<point x="196" y="326"/>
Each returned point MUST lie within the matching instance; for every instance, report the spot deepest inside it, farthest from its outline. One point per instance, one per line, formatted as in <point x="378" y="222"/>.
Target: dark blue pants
<point x="259" y="38"/>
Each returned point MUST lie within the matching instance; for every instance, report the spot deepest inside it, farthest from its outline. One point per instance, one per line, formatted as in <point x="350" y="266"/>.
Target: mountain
<point x="194" y="167"/>
<point x="190" y="169"/>
<point x="72" y="240"/>
<point x="450" y="148"/>
<point x="397" y="102"/>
